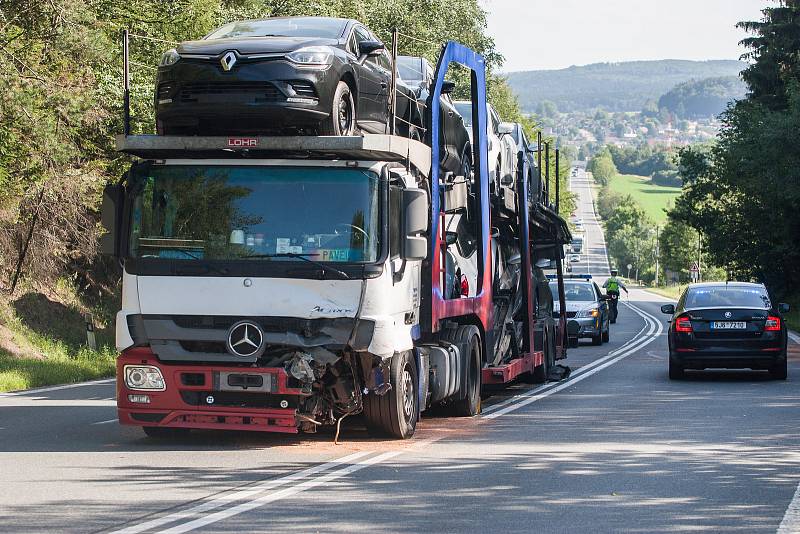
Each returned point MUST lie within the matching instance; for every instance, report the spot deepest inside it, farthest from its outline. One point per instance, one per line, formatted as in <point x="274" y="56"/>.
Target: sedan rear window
<point x="573" y="291"/>
<point x="323" y="28"/>
<point x="727" y="296"/>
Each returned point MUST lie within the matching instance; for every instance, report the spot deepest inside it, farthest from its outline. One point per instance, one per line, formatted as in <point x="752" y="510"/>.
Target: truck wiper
<point x="206" y="264"/>
<point x="304" y="257"/>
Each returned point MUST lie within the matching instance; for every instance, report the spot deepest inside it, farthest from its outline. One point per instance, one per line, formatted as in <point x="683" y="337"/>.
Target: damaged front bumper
<point x="210" y="397"/>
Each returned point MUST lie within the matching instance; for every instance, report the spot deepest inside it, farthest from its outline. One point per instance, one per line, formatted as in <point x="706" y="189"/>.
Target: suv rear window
<point x="727" y="296"/>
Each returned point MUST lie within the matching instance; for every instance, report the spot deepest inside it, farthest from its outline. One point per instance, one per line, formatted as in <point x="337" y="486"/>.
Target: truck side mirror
<point x="110" y="219"/>
<point x="415" y="222"/>
<point x="668" y="309"/>
<point x="448" y="87"/>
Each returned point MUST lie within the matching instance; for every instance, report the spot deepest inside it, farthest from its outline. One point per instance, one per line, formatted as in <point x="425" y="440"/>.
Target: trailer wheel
<point x="540" y="374"/>
<point x="468" y="336"/>
<point x="164" y="432"/>
<point x="395" y="413"/>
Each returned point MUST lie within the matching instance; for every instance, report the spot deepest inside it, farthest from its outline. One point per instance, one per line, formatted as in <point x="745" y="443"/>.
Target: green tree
<point x="773" y="52"/>
<point x="743" y="193"/>
<point x="602" y="167"/>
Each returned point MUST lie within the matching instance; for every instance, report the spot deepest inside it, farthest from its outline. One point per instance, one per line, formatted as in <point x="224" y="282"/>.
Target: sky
<point x="553" y="34"/>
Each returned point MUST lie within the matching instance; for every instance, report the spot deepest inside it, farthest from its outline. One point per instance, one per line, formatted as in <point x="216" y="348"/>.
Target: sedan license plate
<point x="728" y="325"/>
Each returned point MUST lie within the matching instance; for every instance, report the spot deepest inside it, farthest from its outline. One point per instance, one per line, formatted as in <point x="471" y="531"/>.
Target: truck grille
<point x="263" y="91"/>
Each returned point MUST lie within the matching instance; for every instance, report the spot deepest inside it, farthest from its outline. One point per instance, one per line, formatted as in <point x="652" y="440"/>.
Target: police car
<point x="586" y="305"/>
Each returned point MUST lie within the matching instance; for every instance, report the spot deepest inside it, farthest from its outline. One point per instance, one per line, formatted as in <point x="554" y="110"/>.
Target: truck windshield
<point x="202" y="212"/>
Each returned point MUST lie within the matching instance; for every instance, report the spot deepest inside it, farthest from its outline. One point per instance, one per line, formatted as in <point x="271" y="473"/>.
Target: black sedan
<point x="727" y="325"/>
<point x="456" y="153"/>
<point x="301" y="75"/>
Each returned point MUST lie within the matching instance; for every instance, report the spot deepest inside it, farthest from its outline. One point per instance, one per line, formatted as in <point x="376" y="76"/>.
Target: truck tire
<point x="540" y="374"/>
<point x="342" y="120"/>
<point x="395" y="413"/>
<point x="468" y="336"/>
<point x="164" y="433"/>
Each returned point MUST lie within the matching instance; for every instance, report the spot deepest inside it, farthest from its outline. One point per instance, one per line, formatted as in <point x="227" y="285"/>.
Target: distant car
<point x="727" y="325"/>
<point x="586" y="305"/>
<point x="317" y="75"/>
<point x="454" y="136"/>
<point x="574" y="258"/>
<point x="577" y="243"/>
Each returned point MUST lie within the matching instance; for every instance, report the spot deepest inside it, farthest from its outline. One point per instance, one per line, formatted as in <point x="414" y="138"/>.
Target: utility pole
<point x="656" y="280"/>
<point x="699" y="256"/>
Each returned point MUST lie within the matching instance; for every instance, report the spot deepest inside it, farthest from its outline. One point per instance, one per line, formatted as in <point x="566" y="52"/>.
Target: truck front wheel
<point x="396" y="413"/>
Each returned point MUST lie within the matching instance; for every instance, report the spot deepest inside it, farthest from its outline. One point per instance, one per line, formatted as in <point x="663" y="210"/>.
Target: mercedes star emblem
<point x="245" y="339"/>
<point x="227" y="61"/>
<point x="728" y="315"/>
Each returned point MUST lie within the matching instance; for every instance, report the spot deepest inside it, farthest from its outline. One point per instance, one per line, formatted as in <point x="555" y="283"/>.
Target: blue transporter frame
<point x="477" y="310"/>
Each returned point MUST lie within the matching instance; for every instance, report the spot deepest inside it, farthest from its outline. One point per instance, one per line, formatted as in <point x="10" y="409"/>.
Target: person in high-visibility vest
<point x="612" y="286"/>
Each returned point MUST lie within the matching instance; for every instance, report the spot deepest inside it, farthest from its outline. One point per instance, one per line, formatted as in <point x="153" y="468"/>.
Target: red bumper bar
<point x="503" y="374"/>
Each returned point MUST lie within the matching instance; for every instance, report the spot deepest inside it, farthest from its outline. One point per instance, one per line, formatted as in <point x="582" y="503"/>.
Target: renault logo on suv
<point x="228" y="60"/>
<point x="245" y="339"/>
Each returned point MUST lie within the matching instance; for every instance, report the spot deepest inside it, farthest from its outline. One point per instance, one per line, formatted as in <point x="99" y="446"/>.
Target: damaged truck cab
<point x="265" y="293"/>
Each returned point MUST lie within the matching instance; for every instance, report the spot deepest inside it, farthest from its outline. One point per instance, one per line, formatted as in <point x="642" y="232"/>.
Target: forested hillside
<point x="702" y="98"/>
<point x="626" y="86"/>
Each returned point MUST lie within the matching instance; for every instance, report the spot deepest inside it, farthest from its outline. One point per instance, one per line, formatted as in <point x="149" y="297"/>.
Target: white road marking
<point x="794" y="337"/>
<point x="286" y="492"/>
<point x="218" y="502"/>
<point x="106" y="422"/>
<point x="56" y="388"/>
<point x="791" y="519"/>
<point x="655" y="329"/>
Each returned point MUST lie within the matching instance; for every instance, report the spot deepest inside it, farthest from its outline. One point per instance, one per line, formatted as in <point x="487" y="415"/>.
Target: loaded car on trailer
<point x="301" y="75"/>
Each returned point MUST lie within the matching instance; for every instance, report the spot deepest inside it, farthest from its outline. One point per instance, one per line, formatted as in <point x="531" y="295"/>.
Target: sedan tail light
<point x="773" y="324"/>
<point x="683" y="324"/>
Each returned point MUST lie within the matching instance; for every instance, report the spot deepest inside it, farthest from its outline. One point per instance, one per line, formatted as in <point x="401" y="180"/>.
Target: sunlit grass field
<point x="652" y="198"/>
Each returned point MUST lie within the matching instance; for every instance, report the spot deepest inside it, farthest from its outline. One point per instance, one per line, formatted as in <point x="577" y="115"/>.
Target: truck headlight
<point x="144" y="378"/>
<point x="170" y="57"/>
<point x="311" y="56"/>
<point x="589" y="312"/>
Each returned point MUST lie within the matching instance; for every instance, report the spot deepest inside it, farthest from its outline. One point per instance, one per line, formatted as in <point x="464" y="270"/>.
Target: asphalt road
<point x="617" y="447"/>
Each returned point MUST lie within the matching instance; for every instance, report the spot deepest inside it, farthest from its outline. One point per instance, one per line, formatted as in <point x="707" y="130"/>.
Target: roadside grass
<point x="654" y="199"/>
<point x="43" y="338"/>
<point x="671" y="292"/>
<point x="17" y="373"/>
